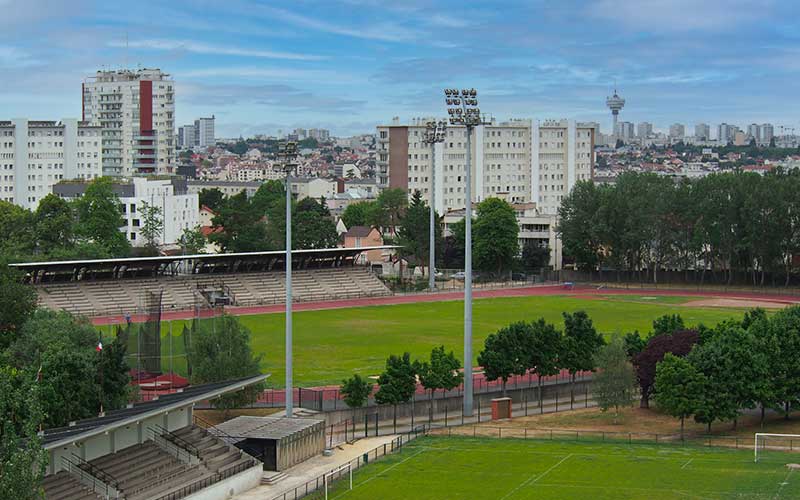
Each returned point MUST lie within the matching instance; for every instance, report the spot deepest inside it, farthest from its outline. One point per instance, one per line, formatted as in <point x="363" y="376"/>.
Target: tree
<point x="542" y="349"/>
<point x="312" y="225"/>
<point x="668" y="324"/>
<point x="100" y="217"/>
<point x="358" y="214"/>
<point x="679" y="343"/>
<point x="389" y="208"/>
<point x="534" y="255"/>
<point x="192" y="241"/>
<point x="17" y="235"/>
<point x="55" y="224"/>
<point x="496" y="233"/>
<point x="238" y="227"/>
<point x="64" y="349"/>
<point x="212" y="198"/>
<point x="503" y="355"/>
<point x="678" y="387"/>
<point x="414" y="233"/>
<point x="441" y="372"/>
<point x="580" y="344"/>
<point x="355" y="391"/>
<point x="579" y="227"/>
<point x="398" y="382"/>
<point x="634" y="343"/>
<point x="152" y="224"/>
<point x="22" y="459"/>
<point x="17" y="304"/>
<point x="220" y="350"/>
<point x="781" y="342"/>
<point x="614" y="385"/>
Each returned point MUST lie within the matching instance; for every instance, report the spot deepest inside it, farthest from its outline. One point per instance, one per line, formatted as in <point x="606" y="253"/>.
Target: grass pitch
<point x="452" y="468"/>
<point x="330" y="345"/>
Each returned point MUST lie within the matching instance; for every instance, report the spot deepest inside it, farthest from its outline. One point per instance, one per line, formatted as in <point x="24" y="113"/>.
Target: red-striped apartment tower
<point x="136" y="112"/>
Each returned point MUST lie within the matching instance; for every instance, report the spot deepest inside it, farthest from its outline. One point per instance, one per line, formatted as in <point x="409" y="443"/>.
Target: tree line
<point x="732" y="225"/>
<point x="712" y="374"/>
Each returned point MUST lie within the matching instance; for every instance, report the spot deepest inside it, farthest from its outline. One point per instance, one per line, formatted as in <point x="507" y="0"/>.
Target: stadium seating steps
<point x="95" y="298"/>
<point x="146" y="471"/>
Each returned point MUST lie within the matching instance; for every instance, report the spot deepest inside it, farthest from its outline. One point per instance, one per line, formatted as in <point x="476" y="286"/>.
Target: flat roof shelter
<point x="139" y="267"/>
<point x="279" y="442"/>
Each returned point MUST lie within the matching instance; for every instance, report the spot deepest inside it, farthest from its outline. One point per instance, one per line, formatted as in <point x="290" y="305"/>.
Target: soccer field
<point x="439" y="468"/>
<point x="330" y="345"/>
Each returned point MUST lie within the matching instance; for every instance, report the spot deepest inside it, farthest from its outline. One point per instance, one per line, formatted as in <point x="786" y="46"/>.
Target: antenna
<point x="126" y="49"/>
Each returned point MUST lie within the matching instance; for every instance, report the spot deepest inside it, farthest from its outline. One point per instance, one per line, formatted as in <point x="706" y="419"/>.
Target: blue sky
<point x="347" y="65"/>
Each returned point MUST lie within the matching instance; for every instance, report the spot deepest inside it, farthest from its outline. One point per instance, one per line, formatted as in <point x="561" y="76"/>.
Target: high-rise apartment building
<point x="754" y="132"/>
<point x="644" y="129"/>
<point x="726" y="132"/>
<point x="767" y="133"/>
<point x="677" y="131"/>
<point x="702" y="132"/>
<point x="35" y="155"/>
<point x="186" y="137"/>
<point x="319" y="134"/>
<point x="204" y="132"/>
<point x="518" y="160"/>
<point x="624" y="131"/>
<point x="136" y="111"/>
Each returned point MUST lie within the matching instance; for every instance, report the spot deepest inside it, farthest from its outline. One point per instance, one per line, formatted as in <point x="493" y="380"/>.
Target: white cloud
<point x="14" y="57"/>
<point x="680" y="15"/>
<point x="283" y="74"/>
<point x="205" y="48"/>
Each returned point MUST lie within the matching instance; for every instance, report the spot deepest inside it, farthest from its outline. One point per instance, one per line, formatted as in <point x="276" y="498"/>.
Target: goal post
<point x="337" y="472"/>
<point x="782" y="442"/>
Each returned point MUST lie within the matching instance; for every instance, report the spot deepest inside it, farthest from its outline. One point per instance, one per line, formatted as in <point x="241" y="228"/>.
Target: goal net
<point x="336" y="474"/>
<point x="767" y="444"/>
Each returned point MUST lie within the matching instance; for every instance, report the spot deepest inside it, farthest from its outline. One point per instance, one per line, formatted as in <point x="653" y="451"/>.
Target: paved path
<point x="315" y="467"/>
<point x="537" y="290"/>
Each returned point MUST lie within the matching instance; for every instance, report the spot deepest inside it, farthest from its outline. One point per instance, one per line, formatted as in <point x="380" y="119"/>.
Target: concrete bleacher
<point x="103" y="297"/>
<point x="151" y="470"/>
<point x="66" y="487"/>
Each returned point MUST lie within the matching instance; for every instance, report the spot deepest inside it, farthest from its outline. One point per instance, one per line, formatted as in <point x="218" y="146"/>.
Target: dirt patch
<point x="737" y="303"/>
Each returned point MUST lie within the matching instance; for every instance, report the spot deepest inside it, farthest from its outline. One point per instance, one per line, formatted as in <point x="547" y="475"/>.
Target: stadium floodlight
<point x="463" y="110"/>
<point x="434" y="132"/>
<point x="287" y="156"/>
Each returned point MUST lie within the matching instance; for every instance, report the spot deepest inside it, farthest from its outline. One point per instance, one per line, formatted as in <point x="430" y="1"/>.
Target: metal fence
<point x="313" y="486"/>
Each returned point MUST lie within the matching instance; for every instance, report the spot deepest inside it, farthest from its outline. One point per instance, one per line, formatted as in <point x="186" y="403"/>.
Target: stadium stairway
<point x="64" y="486"/>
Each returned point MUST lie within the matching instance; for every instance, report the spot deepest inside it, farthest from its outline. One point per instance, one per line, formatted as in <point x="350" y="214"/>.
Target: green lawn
<point x="510" y="469"/>
<point x="332" y="344"/>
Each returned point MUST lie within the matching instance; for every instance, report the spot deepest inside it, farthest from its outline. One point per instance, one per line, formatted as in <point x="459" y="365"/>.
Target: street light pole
<point x="434" y="132"/>
<point x="463" y="110"/>
<point x="288" y="153"/>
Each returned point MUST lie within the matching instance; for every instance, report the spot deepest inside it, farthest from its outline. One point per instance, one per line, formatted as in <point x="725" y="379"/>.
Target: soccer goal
<point x="336" y="474"/>
<point x="781" y="442"/>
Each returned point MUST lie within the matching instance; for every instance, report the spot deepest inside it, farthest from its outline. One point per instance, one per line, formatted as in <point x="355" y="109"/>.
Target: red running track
<point x="557" y="289"/>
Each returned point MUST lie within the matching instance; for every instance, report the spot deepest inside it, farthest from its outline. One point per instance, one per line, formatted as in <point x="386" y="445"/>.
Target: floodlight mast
<point x="287" y="155"/>
<point x="463" y="110"/>
<point x="434" y="132"/>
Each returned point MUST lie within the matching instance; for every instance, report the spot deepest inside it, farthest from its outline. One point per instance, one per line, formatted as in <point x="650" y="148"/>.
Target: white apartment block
<point x="34" y="155"/>
<point x="136" y="111"/>
<point x="519" y="160"/>
<point x="179" y="207"/>
<point x="186" y="137"/>
<point x="261" y="172"/>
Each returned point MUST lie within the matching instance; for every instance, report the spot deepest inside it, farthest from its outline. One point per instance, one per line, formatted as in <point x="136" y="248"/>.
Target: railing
<point x="690" y="438"/>
<point x="92" y="476"/>
<point x="185" y="451"/>
<point x="313" y="485"/>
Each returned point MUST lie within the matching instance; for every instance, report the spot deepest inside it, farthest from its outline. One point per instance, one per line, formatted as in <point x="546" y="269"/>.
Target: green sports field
<point x="330" y="345"/>
<point x="453" y="468"/>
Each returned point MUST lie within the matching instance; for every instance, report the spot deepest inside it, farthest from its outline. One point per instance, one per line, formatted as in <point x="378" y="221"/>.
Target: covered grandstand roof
<point x="121" y="267"/>
<point x="60" y="436"/>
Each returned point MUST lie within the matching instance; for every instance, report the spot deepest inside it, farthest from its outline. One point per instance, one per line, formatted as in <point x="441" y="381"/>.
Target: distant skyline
<point x="347" y="65"/>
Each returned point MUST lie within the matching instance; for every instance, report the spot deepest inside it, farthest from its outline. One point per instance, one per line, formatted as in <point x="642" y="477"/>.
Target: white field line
<point x="380" y="473"/>
<point x="535" y="478"/>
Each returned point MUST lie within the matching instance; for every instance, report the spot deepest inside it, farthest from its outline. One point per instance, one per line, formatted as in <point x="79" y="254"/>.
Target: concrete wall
<point x="232" y="486"/>
<point x="453" y="404"/>
<point x="300" y="446"/>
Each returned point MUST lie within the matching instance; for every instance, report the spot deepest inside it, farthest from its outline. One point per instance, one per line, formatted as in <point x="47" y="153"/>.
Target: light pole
<point x="287" y="154"/>
<point x="463" y="110"/>
<point x="434" y="132"/>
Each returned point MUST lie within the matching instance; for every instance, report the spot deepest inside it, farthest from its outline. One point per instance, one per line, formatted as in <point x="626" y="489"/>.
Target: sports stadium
<point x="347" y="321"/>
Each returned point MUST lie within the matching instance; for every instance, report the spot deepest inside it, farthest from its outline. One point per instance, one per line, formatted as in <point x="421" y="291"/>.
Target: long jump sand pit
<point x="737" y="303"/>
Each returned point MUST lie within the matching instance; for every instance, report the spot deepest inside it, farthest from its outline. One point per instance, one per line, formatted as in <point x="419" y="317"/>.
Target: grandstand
<point x="147" y="451"/>
<point x="119" y="286"/>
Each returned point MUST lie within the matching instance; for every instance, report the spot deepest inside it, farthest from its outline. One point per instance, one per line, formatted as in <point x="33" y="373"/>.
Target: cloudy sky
<point x="347" y="65"/>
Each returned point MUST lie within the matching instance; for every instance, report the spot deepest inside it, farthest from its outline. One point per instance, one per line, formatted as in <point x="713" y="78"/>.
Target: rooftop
<point x="266" y="427"/>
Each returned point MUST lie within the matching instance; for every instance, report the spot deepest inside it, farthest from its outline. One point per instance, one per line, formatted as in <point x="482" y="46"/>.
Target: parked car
<point x="459" y="276"/>
<point x="519" y="277"/>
